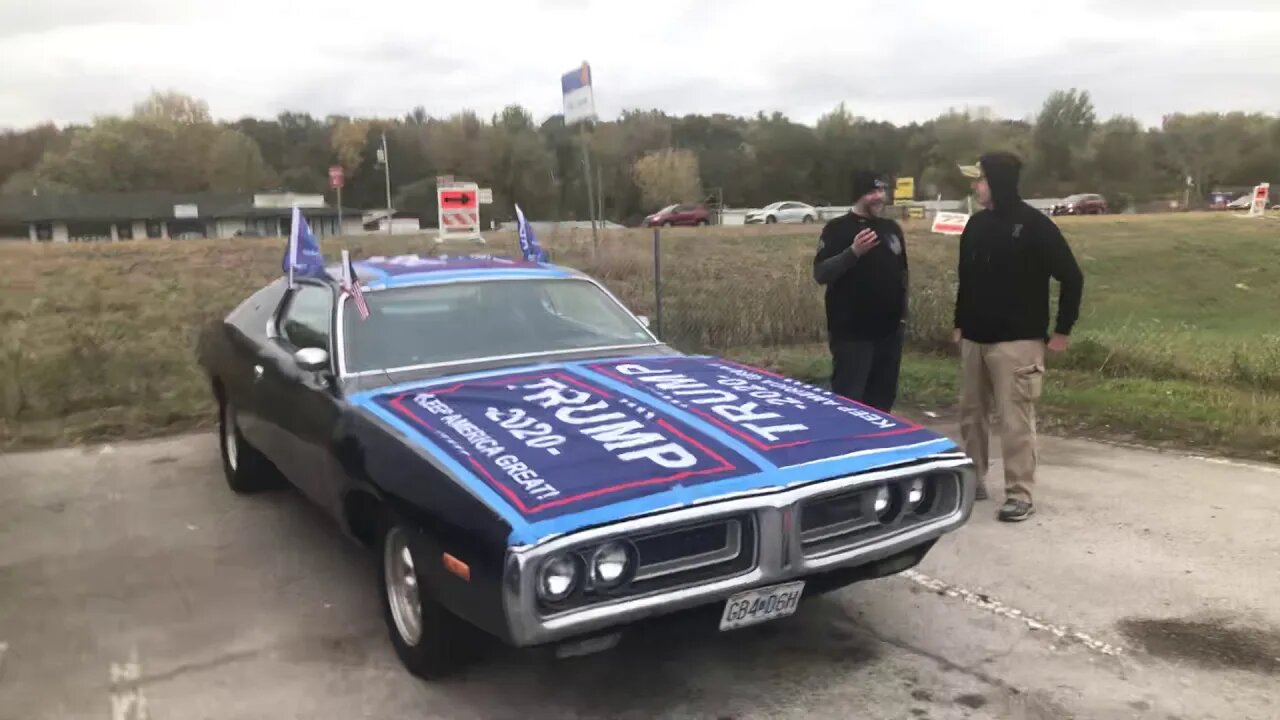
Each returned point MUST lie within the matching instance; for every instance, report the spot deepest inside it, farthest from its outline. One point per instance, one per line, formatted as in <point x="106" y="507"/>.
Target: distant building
<point x="179" y="216"/>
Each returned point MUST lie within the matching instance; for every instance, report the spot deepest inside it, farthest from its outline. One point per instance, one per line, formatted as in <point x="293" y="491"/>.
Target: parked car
<point x="783" y="212"/>
<point x="687" y="214"/>
<point x="1083" y="204"/>
<point x="529" y="461"/>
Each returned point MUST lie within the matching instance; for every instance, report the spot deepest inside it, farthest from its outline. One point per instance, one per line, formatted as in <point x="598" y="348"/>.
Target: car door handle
<point x="257" y="373"/>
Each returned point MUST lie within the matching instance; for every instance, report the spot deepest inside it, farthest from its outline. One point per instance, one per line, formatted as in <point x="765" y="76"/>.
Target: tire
<point x="667" y="224"/>
<point x="770" y="220"/>
<point x="435" y="645"/>
<point x="247" y="471"/>
<point x="700" y="223"/>
<point x="807" y="219"/>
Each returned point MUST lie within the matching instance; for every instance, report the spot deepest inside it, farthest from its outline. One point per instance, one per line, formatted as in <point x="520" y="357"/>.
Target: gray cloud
<point x="68" y="60"/>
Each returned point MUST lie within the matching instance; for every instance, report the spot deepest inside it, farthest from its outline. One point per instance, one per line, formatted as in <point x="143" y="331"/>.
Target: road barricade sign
<point x="1261" y="194"/>
<point x="459" y="211"/>
<point x="949" y="223"/>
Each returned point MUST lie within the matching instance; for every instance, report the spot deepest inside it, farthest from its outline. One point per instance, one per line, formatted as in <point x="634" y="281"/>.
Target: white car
<point x="783" y="212"/>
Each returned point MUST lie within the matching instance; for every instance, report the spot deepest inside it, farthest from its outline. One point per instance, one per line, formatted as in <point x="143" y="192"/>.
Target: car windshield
<point x="666" y="209"/>
<point x="457" y="322"/>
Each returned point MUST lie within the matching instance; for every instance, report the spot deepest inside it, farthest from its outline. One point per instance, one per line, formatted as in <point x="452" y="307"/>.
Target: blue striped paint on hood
<point x="555" y="448"/>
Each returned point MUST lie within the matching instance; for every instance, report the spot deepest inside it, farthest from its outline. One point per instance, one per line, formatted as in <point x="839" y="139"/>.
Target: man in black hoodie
<point x="1008" y="252"/>
<point x="862" y="261"/>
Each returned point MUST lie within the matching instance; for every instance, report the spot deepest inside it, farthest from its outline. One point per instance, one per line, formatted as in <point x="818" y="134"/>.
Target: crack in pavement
<point x="139" y="680"/>
<point x="994" y="606"/>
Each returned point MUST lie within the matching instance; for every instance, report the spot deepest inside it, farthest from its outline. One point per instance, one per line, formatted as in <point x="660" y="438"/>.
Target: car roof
<point x="406" y="270"/>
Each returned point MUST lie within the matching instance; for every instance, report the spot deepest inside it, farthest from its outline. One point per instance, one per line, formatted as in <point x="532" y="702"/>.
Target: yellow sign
<point x="915" y="212"/>
<point x="905" y="191"/>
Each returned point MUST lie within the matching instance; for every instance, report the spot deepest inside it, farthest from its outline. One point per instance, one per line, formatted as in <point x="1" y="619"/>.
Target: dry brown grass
<point x="99" y="340"/>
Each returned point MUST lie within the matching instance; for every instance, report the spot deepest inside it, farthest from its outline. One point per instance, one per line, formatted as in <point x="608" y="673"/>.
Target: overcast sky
<point x="68" y="60"/>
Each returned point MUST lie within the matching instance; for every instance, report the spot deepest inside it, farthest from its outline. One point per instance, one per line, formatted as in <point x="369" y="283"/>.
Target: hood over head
<point x="1002" y="171"/>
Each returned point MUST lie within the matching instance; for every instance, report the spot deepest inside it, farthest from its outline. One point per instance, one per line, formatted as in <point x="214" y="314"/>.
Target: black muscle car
<point x="529" y="461"/>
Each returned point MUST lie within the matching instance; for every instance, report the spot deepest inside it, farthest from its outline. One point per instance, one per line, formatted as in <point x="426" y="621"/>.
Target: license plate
<point x="761" y="605"/>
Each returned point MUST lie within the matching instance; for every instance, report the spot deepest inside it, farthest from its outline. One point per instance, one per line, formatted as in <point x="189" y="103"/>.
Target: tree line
<point x="640" y="161"/>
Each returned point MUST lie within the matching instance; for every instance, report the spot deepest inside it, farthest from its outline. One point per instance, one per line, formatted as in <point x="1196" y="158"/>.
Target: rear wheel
<point x="428" y="639"/>
<point x="701" y="221"/>
<point x="807" y="219"/>
<point x="246" y="470"/>
<point x="770" y="220"/>
<point x="666" y="224"/>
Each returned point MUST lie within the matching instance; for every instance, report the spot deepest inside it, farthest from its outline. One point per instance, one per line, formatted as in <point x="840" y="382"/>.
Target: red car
<point x="1085" y="204"/>
<point x="679" y="215"/>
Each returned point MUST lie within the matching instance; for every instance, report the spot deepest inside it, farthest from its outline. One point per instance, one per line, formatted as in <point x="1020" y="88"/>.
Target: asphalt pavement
<point x="134" y="585"/>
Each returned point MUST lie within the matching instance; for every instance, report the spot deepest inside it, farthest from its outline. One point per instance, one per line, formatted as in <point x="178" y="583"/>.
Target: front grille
<point x="676" y="557"/>
<point x="846" y="519"/>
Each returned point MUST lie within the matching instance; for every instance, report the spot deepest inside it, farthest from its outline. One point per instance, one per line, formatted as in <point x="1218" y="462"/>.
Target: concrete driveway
<point x="134" y="585"/>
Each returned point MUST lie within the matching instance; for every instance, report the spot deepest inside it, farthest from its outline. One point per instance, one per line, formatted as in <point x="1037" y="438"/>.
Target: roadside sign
<point x="459" y="211"/>
<point x="579" y="98"/>
<point x="915" y="211"/>
<point x="949" y="223"/>
<point x="336" y="177"/>
<point x="458" y="199"/>
<point x="904" y="191"/>
<point x="486" y="196"/>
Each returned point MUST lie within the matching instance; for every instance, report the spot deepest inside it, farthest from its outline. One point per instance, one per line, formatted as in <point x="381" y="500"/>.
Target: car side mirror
<point x="644" y="320"/>
<point x="312" y="359"/>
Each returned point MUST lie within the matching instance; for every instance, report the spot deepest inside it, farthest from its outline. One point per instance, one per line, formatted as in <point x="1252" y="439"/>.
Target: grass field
<point x="1178" y="342"/>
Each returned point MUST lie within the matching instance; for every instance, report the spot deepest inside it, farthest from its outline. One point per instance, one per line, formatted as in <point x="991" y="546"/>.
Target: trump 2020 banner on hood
<point x="786" y="421"/>
<point x="551" y="442"/>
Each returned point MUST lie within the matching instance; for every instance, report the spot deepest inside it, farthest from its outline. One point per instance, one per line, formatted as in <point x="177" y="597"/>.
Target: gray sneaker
<point x="1016" y="511"/>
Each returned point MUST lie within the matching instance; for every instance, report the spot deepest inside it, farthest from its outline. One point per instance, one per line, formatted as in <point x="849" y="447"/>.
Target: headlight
<point x="915" y="493"/>
<point x="610" y="565"/>
<point x="883" y="501"/>
<point x="558" y="578"/>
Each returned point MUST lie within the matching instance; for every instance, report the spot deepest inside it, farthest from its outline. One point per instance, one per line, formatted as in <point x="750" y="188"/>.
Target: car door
<point x="787" y="213"/>
<point x="303" y="407"/>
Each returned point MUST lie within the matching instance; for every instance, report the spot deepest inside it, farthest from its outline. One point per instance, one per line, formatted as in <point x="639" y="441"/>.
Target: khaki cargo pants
<point x="1004" y="378"/>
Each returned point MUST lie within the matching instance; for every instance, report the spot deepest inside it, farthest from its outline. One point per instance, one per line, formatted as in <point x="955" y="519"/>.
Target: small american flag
<point x="351" y="286"/>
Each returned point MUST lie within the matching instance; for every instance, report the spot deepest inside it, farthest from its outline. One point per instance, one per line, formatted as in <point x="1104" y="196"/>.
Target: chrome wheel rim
<point x="229" y="437"/>
<point x="402" y="587"/>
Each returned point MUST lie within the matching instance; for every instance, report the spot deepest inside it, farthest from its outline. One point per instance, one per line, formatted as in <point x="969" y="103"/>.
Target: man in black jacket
<point x="862" y="261"/>
<point x="1008" y="252"/>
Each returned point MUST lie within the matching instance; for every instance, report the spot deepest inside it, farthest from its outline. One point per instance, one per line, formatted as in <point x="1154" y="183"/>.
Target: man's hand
<point x="864" y="241"/>
<point x="1058" y="343"/>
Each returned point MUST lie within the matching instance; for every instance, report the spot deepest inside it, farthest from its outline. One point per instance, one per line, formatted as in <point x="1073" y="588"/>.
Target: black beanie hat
<point x="865" y="181"/>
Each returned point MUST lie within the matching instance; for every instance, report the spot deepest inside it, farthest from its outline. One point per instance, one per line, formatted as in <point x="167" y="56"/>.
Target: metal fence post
<point x="657" y="281"/>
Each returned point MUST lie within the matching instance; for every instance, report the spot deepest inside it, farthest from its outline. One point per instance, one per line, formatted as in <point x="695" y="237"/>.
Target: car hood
<point x="555" y="448"/>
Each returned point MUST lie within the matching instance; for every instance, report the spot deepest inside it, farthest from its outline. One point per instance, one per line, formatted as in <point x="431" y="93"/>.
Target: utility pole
<point x="386" y="167"/>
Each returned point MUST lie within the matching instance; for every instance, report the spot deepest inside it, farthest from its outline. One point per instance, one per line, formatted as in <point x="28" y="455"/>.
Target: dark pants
<point x="867" y="370"/>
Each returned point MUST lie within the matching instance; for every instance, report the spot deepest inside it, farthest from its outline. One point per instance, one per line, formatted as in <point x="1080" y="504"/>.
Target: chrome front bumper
<point x="780" y="556"/>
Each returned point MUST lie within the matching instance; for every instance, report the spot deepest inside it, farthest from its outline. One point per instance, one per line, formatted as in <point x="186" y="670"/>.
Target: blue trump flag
<point x="302" y="257"/>
<point x="529" y="246"/>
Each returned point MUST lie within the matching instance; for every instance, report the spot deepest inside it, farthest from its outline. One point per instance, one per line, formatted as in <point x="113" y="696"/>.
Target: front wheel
<point x="667" y="224"/>
<point x="701" y="222"/>
<point x="770" y="220"/>
<point x="246" y="469"/>
<point x="807" y="219"/>
<point x="427" y="638"/>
